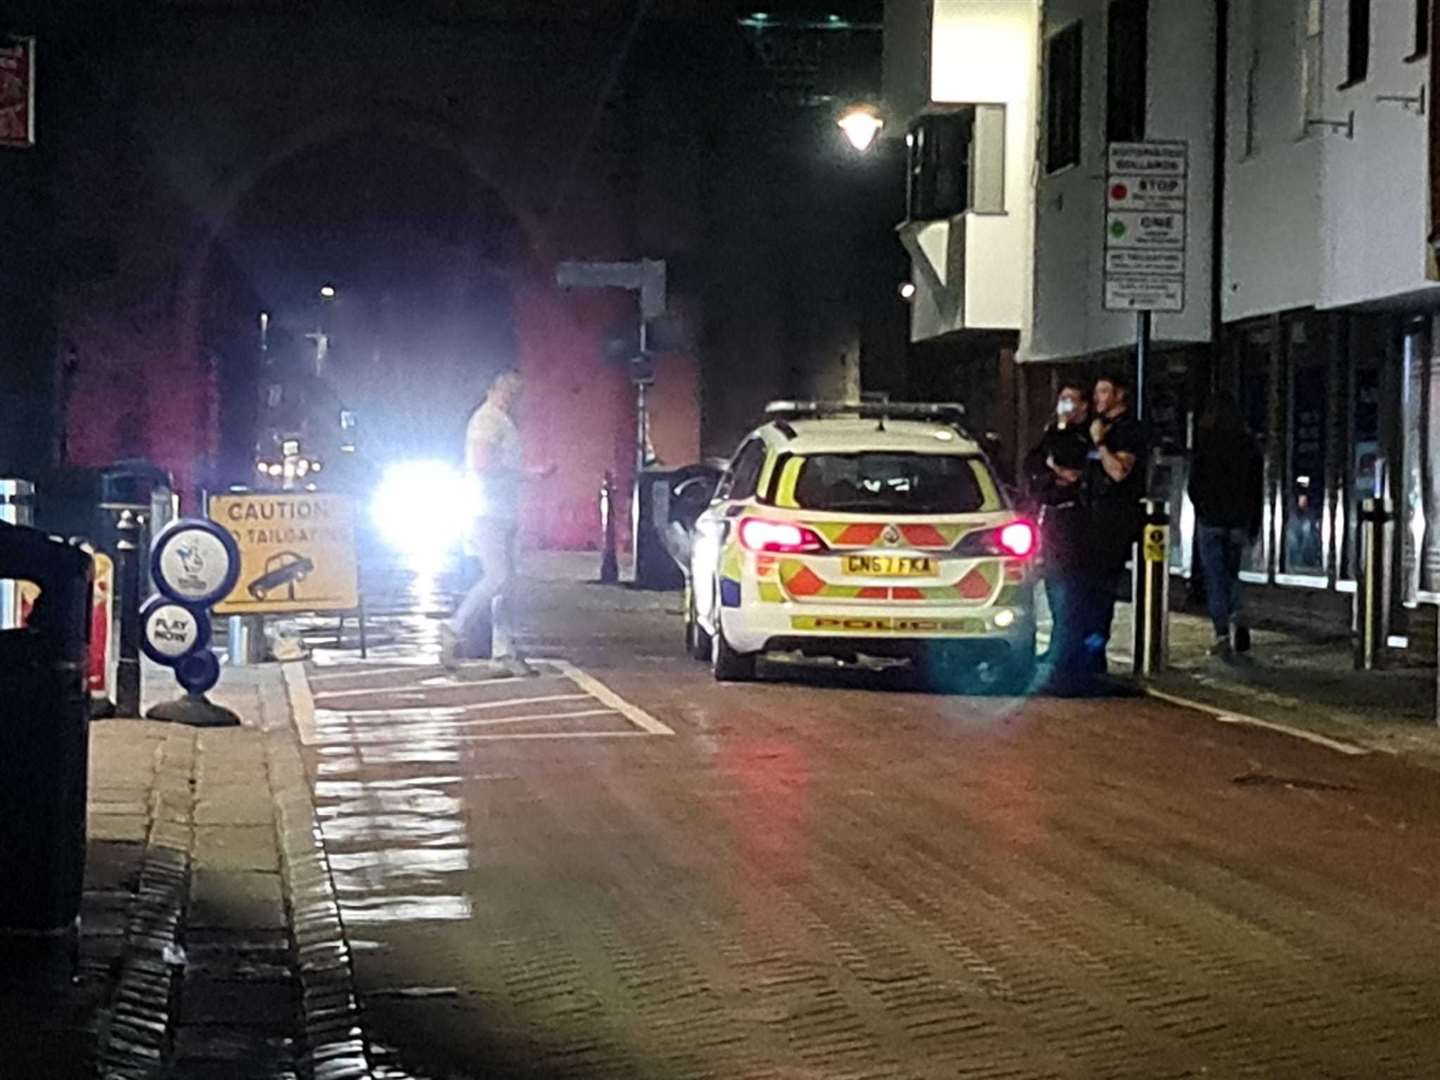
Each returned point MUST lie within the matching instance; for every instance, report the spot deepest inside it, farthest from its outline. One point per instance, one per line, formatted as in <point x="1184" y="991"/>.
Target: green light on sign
<point x="1117" y="229"/>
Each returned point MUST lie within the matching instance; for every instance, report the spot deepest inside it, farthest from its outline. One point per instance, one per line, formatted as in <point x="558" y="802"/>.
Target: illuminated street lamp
<point x="327" y="291"/>
<point x="861" y="123"/>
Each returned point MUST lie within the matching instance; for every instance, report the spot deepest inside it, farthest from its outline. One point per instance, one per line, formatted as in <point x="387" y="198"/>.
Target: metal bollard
<point x="1371" y="611"/>
<point x="127" y="596"/>
<point x="17" y="507"/>
<point x="609" y="563"/>
<point x="1151" y="608"/>
<point x="245" y="637"/>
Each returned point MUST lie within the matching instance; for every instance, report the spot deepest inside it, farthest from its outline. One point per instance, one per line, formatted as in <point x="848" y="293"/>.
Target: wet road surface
<point x="620" y="868"/>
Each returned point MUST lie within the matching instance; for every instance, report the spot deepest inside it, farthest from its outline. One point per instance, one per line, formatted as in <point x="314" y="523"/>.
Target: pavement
<point x="621" y="868"/>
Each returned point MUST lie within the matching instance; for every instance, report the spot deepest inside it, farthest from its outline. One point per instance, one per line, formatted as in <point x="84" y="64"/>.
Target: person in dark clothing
<point x="1054" y="474"/>
<point x="1227" y="488"/>
<point x="1115" y="482"/>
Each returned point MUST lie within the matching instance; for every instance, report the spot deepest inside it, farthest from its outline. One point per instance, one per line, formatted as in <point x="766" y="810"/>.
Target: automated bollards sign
<point x="195" y="564"/>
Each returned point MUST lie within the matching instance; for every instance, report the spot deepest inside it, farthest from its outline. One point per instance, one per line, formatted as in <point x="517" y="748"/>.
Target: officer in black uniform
<point x="1054" y="474"/>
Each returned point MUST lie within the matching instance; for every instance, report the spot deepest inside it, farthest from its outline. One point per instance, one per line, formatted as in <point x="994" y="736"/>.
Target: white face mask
<point x="1064" y="408"/>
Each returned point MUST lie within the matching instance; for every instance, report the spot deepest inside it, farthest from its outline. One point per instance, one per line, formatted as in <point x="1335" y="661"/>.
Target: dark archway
<point x="422" y="260"/>
<point x="391" y="205"/>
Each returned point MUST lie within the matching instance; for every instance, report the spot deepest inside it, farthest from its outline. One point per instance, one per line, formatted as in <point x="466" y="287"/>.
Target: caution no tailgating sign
<point x="297" y="552"/>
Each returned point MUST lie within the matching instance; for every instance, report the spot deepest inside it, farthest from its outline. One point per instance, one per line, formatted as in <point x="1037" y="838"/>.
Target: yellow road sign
<point x="297" y="552"/>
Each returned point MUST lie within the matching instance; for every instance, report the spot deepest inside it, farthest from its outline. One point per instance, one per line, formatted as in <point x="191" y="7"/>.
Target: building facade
<point x="1308" y="262"/>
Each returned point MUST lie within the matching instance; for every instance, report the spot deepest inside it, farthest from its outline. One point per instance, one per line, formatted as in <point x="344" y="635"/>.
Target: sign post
<point x="1146" y="205"/>
<point x="1146" y="199"/>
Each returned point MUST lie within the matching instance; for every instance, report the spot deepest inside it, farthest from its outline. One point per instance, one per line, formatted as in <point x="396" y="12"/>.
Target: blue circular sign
<point x="170" y="631"/>
<point x="198" y="672"/>
<point x="195" y="562"/>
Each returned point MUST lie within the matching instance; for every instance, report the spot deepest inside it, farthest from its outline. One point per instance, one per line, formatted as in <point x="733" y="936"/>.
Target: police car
<point x="864" y="530"/>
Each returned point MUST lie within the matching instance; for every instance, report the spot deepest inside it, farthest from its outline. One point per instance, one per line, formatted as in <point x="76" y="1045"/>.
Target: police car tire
<point x="697" y="639"/>
<point x="727" y="664"/>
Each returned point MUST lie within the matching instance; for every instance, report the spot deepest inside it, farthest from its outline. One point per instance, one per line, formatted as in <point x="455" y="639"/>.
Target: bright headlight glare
<point x="423" y="508"/>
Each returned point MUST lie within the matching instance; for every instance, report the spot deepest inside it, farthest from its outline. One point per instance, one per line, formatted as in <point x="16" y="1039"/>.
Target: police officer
<point x="1054" y="474"/>
<point x="1114" y="485"/>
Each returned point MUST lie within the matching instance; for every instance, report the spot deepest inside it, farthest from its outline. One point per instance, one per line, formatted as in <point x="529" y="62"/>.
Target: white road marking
<point x="1225" y="716"/>
<point x="358" y="671"/>
<point x="443" y="729"/>
<point x="309" y="719"/>
<point x="602" y="693"/>
<point x="499" y="703"/>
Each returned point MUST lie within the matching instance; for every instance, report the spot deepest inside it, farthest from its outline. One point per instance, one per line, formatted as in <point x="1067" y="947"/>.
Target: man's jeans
<point x="1221" y="549"/>
<point x="492" y="541"/>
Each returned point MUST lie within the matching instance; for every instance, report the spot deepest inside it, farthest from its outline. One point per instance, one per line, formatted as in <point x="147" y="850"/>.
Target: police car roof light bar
<point x="940" y="412"/>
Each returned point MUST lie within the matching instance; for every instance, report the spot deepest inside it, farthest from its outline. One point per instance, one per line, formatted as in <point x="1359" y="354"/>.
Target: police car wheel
<point x="727" y="664"/>
<point x="697" y="640"/>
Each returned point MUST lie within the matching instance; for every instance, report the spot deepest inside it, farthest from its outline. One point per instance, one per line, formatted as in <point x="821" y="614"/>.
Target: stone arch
<point x="557" y="334"/>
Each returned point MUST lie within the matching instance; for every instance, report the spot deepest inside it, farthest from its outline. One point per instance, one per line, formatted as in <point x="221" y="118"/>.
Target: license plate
<point x="889" y="566"/>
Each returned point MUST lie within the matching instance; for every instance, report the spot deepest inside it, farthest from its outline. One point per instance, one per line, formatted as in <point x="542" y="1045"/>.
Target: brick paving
<point x="810" y="877"/>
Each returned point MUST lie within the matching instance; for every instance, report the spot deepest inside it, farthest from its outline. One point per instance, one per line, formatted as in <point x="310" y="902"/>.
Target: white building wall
<point x="1273" y="215"/>
<point x="1313" y="217"/>
<point x="1374" y="188"/>
<point x="983" y="52"/>
<point x="1069" y="318"/>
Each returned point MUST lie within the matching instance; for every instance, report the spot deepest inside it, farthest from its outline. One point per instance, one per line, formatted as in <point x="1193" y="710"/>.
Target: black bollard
<point x="127" y="596"/>
<point x="609" y="565"/>
<point x="1370" y="611"/>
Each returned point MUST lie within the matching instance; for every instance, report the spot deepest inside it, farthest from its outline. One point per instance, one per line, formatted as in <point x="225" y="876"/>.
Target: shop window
<point x="1253" y="392"/>
<point x="1417" y="495"/>
<point x="1367" y="456"/>
<point x="1126" y="63"/>
<point x="1302" y="549"/>
<point x="1064" y="67"/>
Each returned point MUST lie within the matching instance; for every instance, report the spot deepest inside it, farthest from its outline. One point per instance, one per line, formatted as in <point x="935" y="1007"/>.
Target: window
<point x="1306" y="476"/>
<point x="1312" y="56"/>
<point x="1357" y="51"/>
<point x="1422" y="29"/>
<point x="957" y="163"/>
<point x="1252" y="104"/>
<point x="1127" y="60"/>
<point x="1064" y="56"/>
<point x="891" y="483"/>
<point x="939" y="153"/>
<point x="744" y="472"/>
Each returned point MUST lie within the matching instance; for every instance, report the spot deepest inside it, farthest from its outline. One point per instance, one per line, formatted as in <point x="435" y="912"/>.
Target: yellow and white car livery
<point x="847" y="529"/>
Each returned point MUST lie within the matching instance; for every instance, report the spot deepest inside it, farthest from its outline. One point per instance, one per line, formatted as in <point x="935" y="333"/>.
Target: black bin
<point x="44" y="739"/>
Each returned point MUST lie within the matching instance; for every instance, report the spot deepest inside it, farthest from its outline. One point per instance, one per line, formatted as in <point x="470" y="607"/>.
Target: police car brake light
<point x="1015" y="539"/>
<point x="757" y="534"/>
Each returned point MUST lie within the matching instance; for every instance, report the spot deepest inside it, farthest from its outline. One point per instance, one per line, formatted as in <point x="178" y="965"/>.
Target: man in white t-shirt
<point x="495" y="471"/>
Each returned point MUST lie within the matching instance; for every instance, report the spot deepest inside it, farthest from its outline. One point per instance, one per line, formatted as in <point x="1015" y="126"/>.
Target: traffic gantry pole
<point x="127" y="576"/>
<point x="1151" y="609"/>
<point x="1370" y="605"/>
